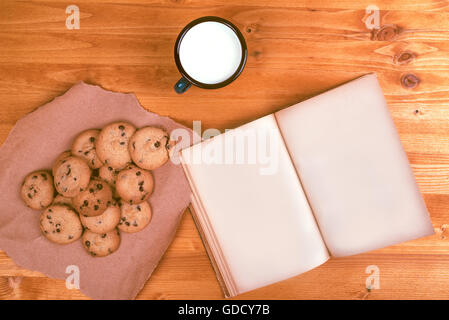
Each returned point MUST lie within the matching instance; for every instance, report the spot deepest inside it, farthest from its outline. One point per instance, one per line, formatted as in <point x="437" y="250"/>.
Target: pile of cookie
<point x="99" y="187"/>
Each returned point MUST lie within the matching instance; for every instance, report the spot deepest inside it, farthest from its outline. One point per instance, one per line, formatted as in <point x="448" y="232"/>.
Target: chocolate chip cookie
<point x="105" y="222"/>
<point x="37" y="190"/>
<point x="63" y="200"/>
<point x="101" y="245"/>
<point x="134" y="217"/>
<point x="60" y="224"/>
<point x="149" y="147"/>
<point x="110" y="174"/>
<point x="61" y="159"/>
<point x="84" y="147"/>
<point x="112" y="144"/>
<point x="134" y="185"/>
<point x="71" y="176"/>
<point x="94" y="200"/>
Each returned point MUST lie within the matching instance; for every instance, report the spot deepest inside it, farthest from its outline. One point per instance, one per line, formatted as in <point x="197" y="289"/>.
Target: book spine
<point x="209" y="252"/>
<point x="195" y="210"/>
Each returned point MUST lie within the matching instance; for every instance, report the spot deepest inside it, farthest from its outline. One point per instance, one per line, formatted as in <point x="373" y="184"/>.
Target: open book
<point x="282" y="194"/>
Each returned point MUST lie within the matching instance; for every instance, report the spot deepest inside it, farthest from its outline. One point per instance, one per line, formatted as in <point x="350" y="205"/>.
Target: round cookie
<point x="134" y="217"/>
<point x="110" y="174"/>
<point x="105" y="222"/>
<point x="37" y="190"/>
<point x="101" y="245"/>
<point x="71" y="176"/>
<point x="63" y="200"/>
<point x="149" y="147"/>
<point x="94" y="200"/>
<point x="60" y="159"/>
<point x="84" y="147"/>
<point x="112" y="144"/>
<point x="134" y="185"/>
<point x="60" y="224"/>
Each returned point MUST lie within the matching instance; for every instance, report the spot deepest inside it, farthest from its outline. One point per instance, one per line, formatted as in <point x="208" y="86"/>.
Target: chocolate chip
<point x="93" y="254"/>
<point x="34" y="177"/>
<point x="70" y="237"/>
<point x="121" y="127"/>
<point x="86" y="153"/>
<point x="123" y="218"/>
<point x="135" y="224"/>
<point x="157" y="144"/>
<point x="87" y="243"/>
<point x="143" y="197"/>
<point x="141" y="189"/>
<point x="103" y="235"/>
<point x="92" y="139"/>
<point x="48" y="217"/>
<point x="127" y="224"/>
<point x="138" y="173"/>
<point x="44" y="176"/>
<point x="122" y="143"/>
<point x="123" y="134"/>
<point x="134" y="145"/>
<point x="99" y="186"/>
<point x="49" y="210"/>
<point x="58" y="230"/>
<point x="86" y="203"/>
<point x="96" y="207"/>
<point x="30" y="196"/>
<point x="141" y="183"/>
<point x="110" y="168"/>
<point x="138" y="208"/>
<point x="91" y="190"/>
<point x="98" y="201"/>
<point x="74" y="178"/>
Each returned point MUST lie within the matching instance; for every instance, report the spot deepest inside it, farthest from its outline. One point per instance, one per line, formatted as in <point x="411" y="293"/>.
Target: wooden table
<point x="296" y="50"/>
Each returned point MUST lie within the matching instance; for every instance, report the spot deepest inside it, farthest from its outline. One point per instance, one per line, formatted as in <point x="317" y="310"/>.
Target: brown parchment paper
<point x="34" y="143"/>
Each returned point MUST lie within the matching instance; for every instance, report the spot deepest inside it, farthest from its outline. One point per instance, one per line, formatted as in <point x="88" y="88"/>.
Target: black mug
<point x="187" y="80"/>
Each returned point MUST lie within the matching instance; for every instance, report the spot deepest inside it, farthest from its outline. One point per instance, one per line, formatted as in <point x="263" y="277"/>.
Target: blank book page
<point x="262" y="222"/>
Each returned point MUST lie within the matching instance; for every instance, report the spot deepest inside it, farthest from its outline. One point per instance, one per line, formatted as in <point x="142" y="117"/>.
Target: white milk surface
<point x="210" y="52"/>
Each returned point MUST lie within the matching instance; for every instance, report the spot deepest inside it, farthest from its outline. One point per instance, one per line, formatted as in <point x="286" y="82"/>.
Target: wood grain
<point x="297" y="49"/>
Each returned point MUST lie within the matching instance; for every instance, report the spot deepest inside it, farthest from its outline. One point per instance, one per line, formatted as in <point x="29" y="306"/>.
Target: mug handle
<point x="182" y="85"/>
